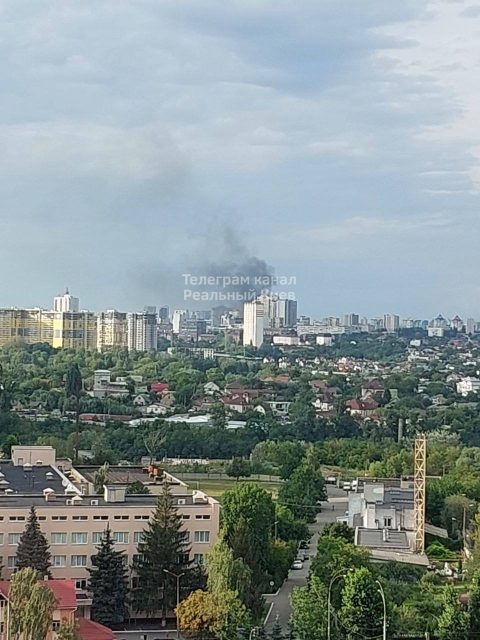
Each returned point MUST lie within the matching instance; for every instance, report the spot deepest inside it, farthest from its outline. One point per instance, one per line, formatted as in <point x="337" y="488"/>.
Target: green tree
<point x="309" y="610"/>
<point x="73" y="389"/>
<point x="453" y="621"/>
<point x="238" y="468"/>
<point x="474" y="604"/>
<point x="277" y="633"/>
<point x="248" y="519"/>
<point x="108" y="583"/>
<point x="33" y="549"/>
<point x="68" y="631"/>
<point x="303" y="492"/>
<point x="211" y="616"/>
<point x="31" y="606"/>
<point x="100" y="477"/>
<point x="334" y="555"/>
<point x="10" y="441"/>
<point x="361" y="613"/>
<point x="225" y="573"/>
<point x="163" y="548"/>
<point x="339" y="530"/>
<point x="137" y="487"/>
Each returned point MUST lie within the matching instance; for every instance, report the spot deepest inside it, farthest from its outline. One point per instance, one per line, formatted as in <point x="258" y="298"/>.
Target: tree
<point x="339" y="530"/>
<point x="248" y="518"/>
<point x="453" y="621"/>
<point x="108" y="583"/>
<point x="474" y="605"/>
<point x="10" y="441"/>
<point x="163" y="547"/>
<point x="68" y="631"/>
<point x="334" y="555"/>
<point x="73" y="389"/>
<point x="239" y="467"/>
<point x="100" y="477"/>
<point x="309" y="610"/>
<point x="276" y="632"/>
<point x="204" y="615"/>
<point x="361" y="613"/>
<point x="137" y="487"/>
<point x="303" y="492"/>
<point x="31" y="606"/>
<point x="33" y="549"/>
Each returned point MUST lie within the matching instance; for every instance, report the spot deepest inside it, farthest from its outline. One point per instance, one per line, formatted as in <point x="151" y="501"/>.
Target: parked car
<point x="303" y="544"/>
<point x="297" y="564"/>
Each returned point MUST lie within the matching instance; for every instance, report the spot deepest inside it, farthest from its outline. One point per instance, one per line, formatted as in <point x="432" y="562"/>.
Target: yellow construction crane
<point x="419" y="491"/>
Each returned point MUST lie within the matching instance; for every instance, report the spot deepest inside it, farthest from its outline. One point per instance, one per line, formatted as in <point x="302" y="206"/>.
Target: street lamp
<point x="177" y="576"/>
<point x="384" y="602"/>
<point x="339" y="574"/>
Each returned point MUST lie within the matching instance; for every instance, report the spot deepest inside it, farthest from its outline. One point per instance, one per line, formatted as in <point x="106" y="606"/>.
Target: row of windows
<point x="81" y="561"/>
<point x="120" y="537"/>
<point x="185" y="516"/>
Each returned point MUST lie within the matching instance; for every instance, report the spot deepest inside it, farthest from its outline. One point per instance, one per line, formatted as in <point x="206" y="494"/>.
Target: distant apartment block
<point x="112" y="330"/>
<point x="468" y="385"/>
<point x="66" y="302"/>
<point x="391" y="322"/>
<point x="141" y="331"/>
<point x="253" y="323"/>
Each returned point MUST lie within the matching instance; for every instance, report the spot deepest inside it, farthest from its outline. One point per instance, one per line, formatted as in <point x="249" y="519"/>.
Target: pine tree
<point x="163" y="548"/>
<point x="276" y="632"/>
<point x="108" y="583"/>
<point x="33" y="549"/>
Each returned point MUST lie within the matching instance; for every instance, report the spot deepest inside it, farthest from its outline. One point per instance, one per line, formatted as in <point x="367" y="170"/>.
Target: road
<point x="336" y="506"/>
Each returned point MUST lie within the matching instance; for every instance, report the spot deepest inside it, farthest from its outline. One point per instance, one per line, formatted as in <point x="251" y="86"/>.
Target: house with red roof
<point x="363" y="407"/>
<point x="66" y="609"/>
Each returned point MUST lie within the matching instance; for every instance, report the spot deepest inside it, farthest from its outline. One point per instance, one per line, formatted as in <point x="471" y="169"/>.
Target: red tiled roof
<point x="158" y="387"/>
<point x="63" y="592"/>
<point x="90" y="630"/>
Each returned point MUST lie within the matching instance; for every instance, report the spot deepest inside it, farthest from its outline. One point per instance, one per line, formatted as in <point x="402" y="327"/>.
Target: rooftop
<point x="93" y="502"/>
<point x="34" y="479"/>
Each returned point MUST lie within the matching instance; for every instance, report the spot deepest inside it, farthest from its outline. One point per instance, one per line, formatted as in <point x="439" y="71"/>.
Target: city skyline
<point x="347" y="156"/>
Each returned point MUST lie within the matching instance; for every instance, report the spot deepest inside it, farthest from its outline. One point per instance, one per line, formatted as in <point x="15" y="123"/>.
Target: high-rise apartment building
<point x="178" y="318"/>
<point x="66" y="302"/>
<point x="350" y="320"/>
<point x="286" y="313"/>
<point x="141" y="331"/>
<point x="112" y="330"/>
<point x="164" y="315"/>
<point x="253" y="323"/>
<point x="391" y="322"/>
<point x="26" y="326"/>
<point x="74" y="330"/>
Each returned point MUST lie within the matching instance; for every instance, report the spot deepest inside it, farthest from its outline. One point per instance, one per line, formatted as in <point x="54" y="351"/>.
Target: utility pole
<point x="177" y="576"/>
<point x="384" y="602"/>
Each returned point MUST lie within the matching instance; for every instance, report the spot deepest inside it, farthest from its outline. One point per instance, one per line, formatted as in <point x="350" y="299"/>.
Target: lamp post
<point x="339" y="574"/>
<point x="177" y="576"/>
<point x="384" y="602"/>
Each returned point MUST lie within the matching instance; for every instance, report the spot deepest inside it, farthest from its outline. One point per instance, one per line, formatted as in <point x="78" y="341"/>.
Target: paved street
<point x="336" y="506"/>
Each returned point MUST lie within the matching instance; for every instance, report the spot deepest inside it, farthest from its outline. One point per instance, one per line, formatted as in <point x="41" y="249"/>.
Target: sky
<point x="334" y="142"/>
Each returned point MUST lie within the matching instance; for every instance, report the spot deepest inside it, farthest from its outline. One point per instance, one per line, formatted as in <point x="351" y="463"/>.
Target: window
<point x="59" y="561"/>
<point x="41" y="518"/>
<point x="81" y="585"/>
<point x="121" y="537"/>
<point x="14" y="538"/>
<point x="1" y="538"/>
<point x="121" y="517"/>
<point x="12" y="562"/>
<point x="138" y="536"/>
<point x="387" y="522"/>
<point x="56" y="625"/>
<point x="97" y="536"/>
<point x="185" y="536"/>
<point x="59" y="538"/>
<point x="17" y="518"/>
<point x="198" y="558"/>
<point x="78" y="561"/>
<point x="201" y="536"/>
<point x="59" y="518"/>
<point x="142" y="517"/>
<point x="202" y="517"/>
<point x="79" y="517"/>
<point x="137" y="558"/>
<point x="79" y="538"/>
<point x="100" y="517"/>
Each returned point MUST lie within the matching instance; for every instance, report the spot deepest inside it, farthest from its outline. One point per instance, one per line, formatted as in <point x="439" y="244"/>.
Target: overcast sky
<point x="338" y="140"/>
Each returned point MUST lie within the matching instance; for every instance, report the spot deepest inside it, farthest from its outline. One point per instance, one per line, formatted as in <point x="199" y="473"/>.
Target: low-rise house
<point x="66" y="610"/>
<point x="211" y="389"/>
<point x="362" y="407"/>
<point x="373" y="387"/>
<point x="468" y="385"/>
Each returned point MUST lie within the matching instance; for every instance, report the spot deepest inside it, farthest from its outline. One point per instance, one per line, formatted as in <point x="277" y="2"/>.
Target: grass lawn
<point x="216" y="488"/>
